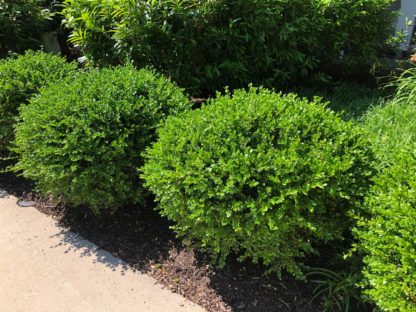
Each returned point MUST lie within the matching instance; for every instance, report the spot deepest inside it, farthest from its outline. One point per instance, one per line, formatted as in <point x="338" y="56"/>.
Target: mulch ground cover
<point x="143" y="239"/>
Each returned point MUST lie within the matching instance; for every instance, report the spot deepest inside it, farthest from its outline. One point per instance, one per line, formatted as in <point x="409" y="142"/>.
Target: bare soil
<point x="139" y="236"/>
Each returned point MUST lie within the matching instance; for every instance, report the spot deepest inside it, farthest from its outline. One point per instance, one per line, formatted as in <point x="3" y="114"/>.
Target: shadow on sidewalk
<point x="74" y="242"/>
<point x="139" y="238"/>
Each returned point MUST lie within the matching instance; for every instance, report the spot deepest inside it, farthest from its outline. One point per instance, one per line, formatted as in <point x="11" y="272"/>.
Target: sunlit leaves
<point x="260" y="173"/>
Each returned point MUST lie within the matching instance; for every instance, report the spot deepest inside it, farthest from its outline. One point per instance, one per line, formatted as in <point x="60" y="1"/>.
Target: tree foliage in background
<point x="357" y="31"/>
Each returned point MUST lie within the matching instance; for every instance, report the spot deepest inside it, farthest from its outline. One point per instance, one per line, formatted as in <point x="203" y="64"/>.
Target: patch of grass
<point x="389" y="119"/>
<point x="392" y="125"/>
<point x="350" y="99"/>
<point x="392" y="129"/>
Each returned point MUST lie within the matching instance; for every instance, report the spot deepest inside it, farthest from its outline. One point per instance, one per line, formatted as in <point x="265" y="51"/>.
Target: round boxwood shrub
<point x="388" y="237"/>
<point x="262" y="174"/>
<point x="82" y="140"/>
<point x="20" y="78"/>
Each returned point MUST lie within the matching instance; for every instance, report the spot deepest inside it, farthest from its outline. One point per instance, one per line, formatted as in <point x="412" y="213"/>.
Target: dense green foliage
<point x="206" y="45"/>
<point x="20" y="78"/>
<point x="21" y="22"/>
<point x="357" y="28"/>
<point x="388" y="237"/>
<point x="270" y="177"/>
<point x="93" y="26"/>
<point x="82" y="140"/>
<point x="261" y="174"/>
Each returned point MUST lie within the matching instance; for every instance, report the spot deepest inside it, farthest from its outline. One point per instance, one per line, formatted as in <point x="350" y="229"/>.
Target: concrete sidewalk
<point x="45" y="269"/>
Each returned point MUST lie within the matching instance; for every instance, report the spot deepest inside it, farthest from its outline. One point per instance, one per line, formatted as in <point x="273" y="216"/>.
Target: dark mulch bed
<point x="143" y="239"/>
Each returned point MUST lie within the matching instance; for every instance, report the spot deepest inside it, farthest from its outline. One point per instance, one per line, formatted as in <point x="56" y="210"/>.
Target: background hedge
<point x="21" y="23"/>
<point x="206" y="45"/>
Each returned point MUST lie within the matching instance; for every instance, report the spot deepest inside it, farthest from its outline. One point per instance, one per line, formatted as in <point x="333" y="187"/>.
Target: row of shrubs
<point x="265" y="175"/>
<point x="204" y="45"/>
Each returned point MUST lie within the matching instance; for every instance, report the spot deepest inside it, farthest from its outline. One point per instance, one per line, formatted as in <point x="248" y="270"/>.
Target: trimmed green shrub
<point x="21" y="22"/>
<point x="82" y="140"/>
<point x="387" y="234"/>
<point x="387" y="237"/>
<point x="259" y="173"/>
<point x="21" y="77"/>
<point x="205" y="45"/>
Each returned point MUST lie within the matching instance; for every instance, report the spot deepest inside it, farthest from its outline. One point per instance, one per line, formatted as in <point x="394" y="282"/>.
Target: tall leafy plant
<point x="356" y="32"/>
<point x="205" y="45"/>
<point x="93" y="24"/>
